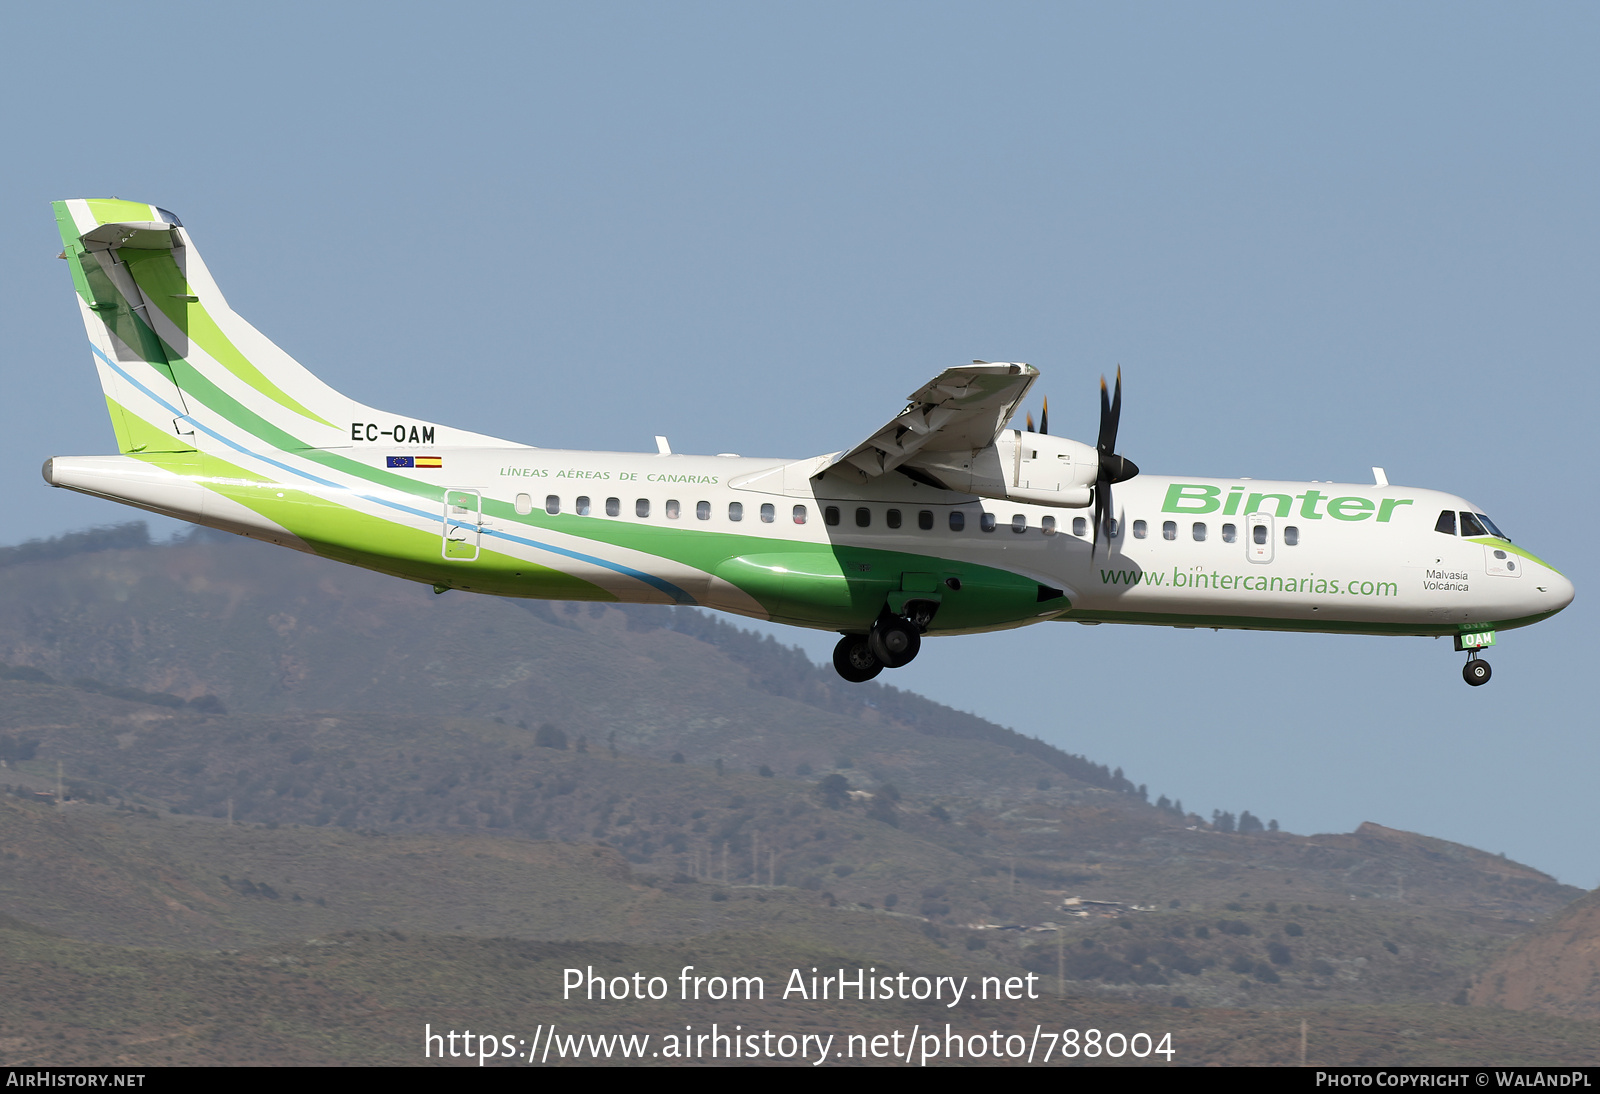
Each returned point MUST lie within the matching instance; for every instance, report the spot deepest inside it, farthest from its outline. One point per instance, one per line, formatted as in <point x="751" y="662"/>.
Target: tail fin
<point x="178" y="365"/>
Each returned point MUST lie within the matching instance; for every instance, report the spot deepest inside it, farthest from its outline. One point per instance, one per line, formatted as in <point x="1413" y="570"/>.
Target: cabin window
<point x="925" y="520"/>
<point x="1047" y="525"/>
<point x="863" y="517"/>
<point x="736" y="510"/>
<point x="768" y="513"/>
<point x="613" y="507"/>
<point x="702" y="510"/>
<point x="1291" y="535"/>
<point x="986" y="521"/>
<point x="1140" y="529"/>
<point x="799" y="514"/>
<point x="1080" y="527"/>
<point x="641" y="508"/>
<point x="1199" y="532"/>
<point x="1169" y="529"/>
<point x="674" y="510"/>
<point x="1019" y="522"/>
<point x="524" y="505"/>
<point x="1446" y="522"/>
<point x="1230" y="534"/>
<point x="552" y="504"/>
<point x="1471" y="526"/>
<point x="582" y="507"/>
<point x="1258" y="533"/>
<point x="892" y="518"/>
<point x="1116" y="528"/>
<point x="958" y="520"/>
<point x="830" y="516"/>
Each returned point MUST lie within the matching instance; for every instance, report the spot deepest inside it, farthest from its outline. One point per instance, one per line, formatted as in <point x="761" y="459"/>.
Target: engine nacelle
<point x="1029" y="467"/>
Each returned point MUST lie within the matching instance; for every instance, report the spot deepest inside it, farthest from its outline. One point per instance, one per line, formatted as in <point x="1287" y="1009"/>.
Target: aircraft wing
<point x="962" y="409"/>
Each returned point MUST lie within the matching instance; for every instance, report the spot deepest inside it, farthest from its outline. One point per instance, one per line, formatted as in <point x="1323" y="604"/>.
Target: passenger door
<point x="462" y="528"/>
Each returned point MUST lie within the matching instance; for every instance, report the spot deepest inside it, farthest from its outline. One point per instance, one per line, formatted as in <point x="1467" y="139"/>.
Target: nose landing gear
<point x="1476" y="671"/>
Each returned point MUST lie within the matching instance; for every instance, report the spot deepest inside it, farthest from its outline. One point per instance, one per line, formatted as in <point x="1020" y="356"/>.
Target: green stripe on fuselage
<point x="337" y="531"/>
<point x="1507" y="545"/>
<point x="850" y="585"/>
<point x="829" y="585"/>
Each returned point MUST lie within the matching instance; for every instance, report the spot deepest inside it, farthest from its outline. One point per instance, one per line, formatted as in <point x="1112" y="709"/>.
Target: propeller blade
<point x="1044" y="418"/>
<point x="1113" y="468"/>
<point x="1102" y="514"/>
<point x="1110" y="415"/>
<point x="1095" y="531"/>
<point x="1030" y="421"/>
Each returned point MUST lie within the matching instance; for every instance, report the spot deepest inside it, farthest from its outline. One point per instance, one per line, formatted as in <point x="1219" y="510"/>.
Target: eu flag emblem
<point x="402" y="461"/>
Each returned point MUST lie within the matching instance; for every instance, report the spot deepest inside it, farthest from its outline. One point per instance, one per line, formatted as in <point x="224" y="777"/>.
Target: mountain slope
<point x="262" y="752"/>
<point x="1555" y="969"/>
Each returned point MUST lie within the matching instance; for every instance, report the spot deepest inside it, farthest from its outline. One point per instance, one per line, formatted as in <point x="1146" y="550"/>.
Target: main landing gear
<point x="1476" y="671"/>
<point x="854" y="660"/>
<point x="892" y="643"/>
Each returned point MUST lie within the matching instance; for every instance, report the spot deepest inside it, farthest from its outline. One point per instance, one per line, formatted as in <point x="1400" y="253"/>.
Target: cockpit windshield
<point x="1472" y="524"/>
<point x="1489" y="524"/>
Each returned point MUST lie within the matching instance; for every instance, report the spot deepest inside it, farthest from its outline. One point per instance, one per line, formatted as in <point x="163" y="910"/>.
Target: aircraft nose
<point x="1554" y="591"/>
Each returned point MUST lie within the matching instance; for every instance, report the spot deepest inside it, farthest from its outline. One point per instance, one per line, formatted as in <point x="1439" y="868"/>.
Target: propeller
<point x="1044" y="419"/>
<point x="1113" y="468"/>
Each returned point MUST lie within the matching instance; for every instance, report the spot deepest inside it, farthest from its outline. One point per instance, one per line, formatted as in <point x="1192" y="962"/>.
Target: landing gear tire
<point x="895" y="641"/>
<point x="854" y="660"/>
<point x="1476" y="672"/>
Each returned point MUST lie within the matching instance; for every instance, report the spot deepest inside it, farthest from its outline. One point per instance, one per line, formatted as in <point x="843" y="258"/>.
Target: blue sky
<point x="1316" y="238"/>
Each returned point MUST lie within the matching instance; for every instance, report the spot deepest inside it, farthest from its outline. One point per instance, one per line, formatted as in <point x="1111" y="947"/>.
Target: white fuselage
<point x="1336" y="557"/>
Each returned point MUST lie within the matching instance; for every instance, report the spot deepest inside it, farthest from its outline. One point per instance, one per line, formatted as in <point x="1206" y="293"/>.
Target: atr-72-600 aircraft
<point x="943" y="522"/>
